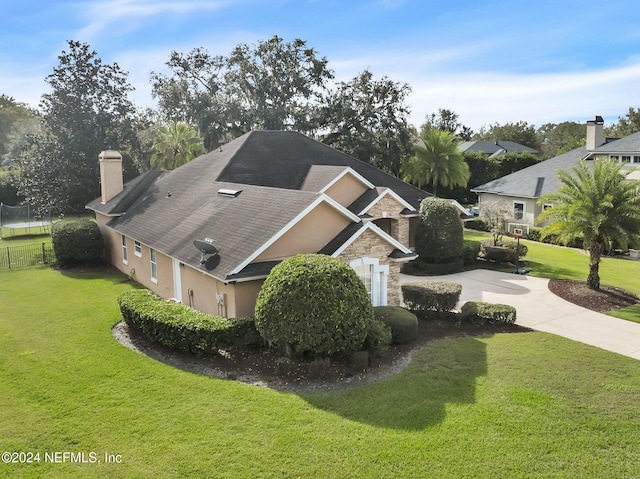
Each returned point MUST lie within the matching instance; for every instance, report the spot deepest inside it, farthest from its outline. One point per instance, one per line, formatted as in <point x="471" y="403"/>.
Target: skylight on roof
<point x="229" y="193"/>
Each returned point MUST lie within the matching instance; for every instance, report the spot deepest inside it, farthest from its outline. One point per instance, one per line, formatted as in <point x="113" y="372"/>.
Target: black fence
<point x="26" y="255"/>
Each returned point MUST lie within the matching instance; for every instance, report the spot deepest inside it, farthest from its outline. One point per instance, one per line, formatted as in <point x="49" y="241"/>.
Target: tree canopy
<point x="595" y="203"/>
<point x="520" y="132"/>
<point x="86" y="111"/>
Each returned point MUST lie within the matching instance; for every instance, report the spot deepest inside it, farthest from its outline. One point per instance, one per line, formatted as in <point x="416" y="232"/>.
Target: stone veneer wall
<point x="399" y="224"/>
<point x="371" y="245"/>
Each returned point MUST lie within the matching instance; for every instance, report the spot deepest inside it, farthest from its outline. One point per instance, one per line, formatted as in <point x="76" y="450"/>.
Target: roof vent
<point x="229" y="193"/>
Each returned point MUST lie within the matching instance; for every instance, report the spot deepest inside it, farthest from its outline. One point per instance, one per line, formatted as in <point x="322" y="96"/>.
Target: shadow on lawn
<point x="443" y="373"/>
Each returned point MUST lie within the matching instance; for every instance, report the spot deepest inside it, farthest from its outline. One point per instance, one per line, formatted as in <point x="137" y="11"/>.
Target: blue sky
<point x="489" y="61"/>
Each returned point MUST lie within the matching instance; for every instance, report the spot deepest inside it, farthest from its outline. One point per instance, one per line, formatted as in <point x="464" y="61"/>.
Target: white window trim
<point x="125" y="254"/>
<point x="153" y="261"/>
<point x="137" y="249"/>
<point x="524" y="209"/>
<point x="379" y="278"/>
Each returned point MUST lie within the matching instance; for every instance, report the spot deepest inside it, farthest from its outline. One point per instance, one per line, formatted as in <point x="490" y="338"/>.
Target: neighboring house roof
<point x="495" y="148"/>
<point x="278" y="178"/>
<point x="626" y="145"/>
<point x="542" y="178"/>
<point x="533" y="181"/>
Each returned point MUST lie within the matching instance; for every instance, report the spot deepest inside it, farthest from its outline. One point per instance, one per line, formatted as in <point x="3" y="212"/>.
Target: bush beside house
<point x="438" y="239"/>
<point x="431" y="296"/>
<point x="77" y="242"/>
<point x="182" y="328"/>
<point x="313" y="304"/>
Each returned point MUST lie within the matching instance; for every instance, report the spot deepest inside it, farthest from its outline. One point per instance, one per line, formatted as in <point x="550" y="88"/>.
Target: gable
<point x="386" y="204"/>
<point x="308" y="235"/>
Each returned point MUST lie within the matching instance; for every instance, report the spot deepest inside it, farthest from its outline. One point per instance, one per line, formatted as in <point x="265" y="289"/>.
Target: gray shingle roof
<point x="536" y="180"/>
<point x="495" y="147"/>
<point x="167" y="211"/>
<point x="628" y="144"/>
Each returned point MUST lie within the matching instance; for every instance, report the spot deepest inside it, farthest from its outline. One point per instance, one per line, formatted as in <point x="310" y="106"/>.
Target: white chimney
<point x="110" y="174"/>
<point x="595" y="133"/>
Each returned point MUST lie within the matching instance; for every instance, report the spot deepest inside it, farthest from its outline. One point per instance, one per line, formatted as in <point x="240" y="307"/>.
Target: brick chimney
<point x="595" y="133"/>
<point x="110" y="174"/>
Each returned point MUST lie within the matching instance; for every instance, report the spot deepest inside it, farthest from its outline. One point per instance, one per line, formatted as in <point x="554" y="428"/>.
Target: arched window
<point x="374" y="276"/>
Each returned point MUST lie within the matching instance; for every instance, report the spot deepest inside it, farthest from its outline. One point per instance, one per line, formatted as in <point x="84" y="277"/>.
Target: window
<point x="518" y="210"/>
<point x="636" y="160"/>
<point x="137" y="249"/>
<point x="125" y="257"/>
<point x="625" y="159"/>
<point x="546" y="206"/>
<point x="374" y="277"/>
<point x="154" y="266"/>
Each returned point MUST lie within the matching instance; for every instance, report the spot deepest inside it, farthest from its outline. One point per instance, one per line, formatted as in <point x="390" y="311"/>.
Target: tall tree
<point x="368" y="119"/>
<point x="597" y="204"/>
<point x="446" y="120"/>
<point x="175" y="145"/>
<point x="86" y="111"/>
<point x="271" y="85"/>
<point x="520" y="132"/>
<point x="277" y="85"/>
<point x="626" y="125"/>
<point x="555" y="139"/>
<point x="438" y="162"/>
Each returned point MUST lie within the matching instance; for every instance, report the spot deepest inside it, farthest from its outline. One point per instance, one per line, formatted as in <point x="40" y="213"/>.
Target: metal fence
<point x="26" y="255"/>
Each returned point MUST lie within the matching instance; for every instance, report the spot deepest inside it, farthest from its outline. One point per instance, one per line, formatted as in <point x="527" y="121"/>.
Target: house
<point x="495" y="148"/>
<point x="524" y="188"/>
<point x="208" y="233"/>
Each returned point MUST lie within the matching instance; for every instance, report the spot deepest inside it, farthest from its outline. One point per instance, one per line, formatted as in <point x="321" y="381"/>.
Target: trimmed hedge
<point x="379" y="337"/>
<point x="479" y="312"/>
<point x="182" y="328"/>
<point x="313" y="303"/>
<point x="439" y="233"/>
<point x="77" y="242"/>
<point x="504" y="253"/>
<point x="439" y="296"/>
<point x="470" y="251"/>
<point x="403" y="323"/>
<point x="421" y="268"/>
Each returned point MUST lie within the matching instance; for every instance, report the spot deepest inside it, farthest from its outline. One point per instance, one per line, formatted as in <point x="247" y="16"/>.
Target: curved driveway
<point x="539" y="309"/>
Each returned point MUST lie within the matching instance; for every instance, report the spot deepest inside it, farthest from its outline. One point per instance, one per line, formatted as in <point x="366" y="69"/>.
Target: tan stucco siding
<point x="531" y="208"/>
<point x="309" y="235"/>
<point x="371" y="245"/>
<point x="346" y="190"/>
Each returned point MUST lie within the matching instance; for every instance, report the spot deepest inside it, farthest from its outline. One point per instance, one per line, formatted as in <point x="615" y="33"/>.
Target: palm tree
<point x="175" y="145"/>
<point x="438" y="162"/>
<point x="597" y="204"/>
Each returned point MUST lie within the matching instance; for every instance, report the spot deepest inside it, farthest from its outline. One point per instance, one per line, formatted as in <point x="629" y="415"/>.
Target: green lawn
<point x="510" y="405"/>
<point x="549" y="261"/>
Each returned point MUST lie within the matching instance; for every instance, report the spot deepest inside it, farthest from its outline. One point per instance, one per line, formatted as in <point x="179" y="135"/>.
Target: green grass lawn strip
<point x="513" y="405"/>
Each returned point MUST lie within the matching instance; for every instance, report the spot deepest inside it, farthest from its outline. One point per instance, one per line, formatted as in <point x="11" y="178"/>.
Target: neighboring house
<point x="495" y="148"/>
<point x="259" y="199"/>
<point x="524" y="188"/>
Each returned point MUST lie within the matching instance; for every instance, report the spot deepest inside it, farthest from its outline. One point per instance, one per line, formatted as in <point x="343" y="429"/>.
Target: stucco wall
<point x="309" y="235"/>
<point x="531" y="210"/>
<point x="346" y="190"/>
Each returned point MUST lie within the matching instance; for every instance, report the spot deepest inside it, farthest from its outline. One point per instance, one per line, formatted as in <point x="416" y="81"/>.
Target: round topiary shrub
<point x="403" y="323"/>
<point x="77" y="242"/>
<point x="314" y="304"/>
<point x="379" y="337"/>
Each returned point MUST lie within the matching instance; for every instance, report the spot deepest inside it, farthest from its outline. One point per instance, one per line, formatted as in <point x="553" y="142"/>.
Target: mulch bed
<point x="257" y="366"/>
<point x="606" y="299"/>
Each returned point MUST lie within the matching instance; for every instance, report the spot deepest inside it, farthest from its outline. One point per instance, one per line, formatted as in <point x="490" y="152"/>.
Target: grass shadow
<point x="443" y="373"/>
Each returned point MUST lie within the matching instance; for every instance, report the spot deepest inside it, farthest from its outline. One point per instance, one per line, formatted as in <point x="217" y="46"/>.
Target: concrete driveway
<point x="539" y="309"/>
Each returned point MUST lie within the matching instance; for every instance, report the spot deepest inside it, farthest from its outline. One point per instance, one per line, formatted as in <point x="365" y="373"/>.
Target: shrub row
<point x="439" y="296"/>
<point x="535" y="235"/>
<point x="479" y="312"/>
<point x="182" y="328"/>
